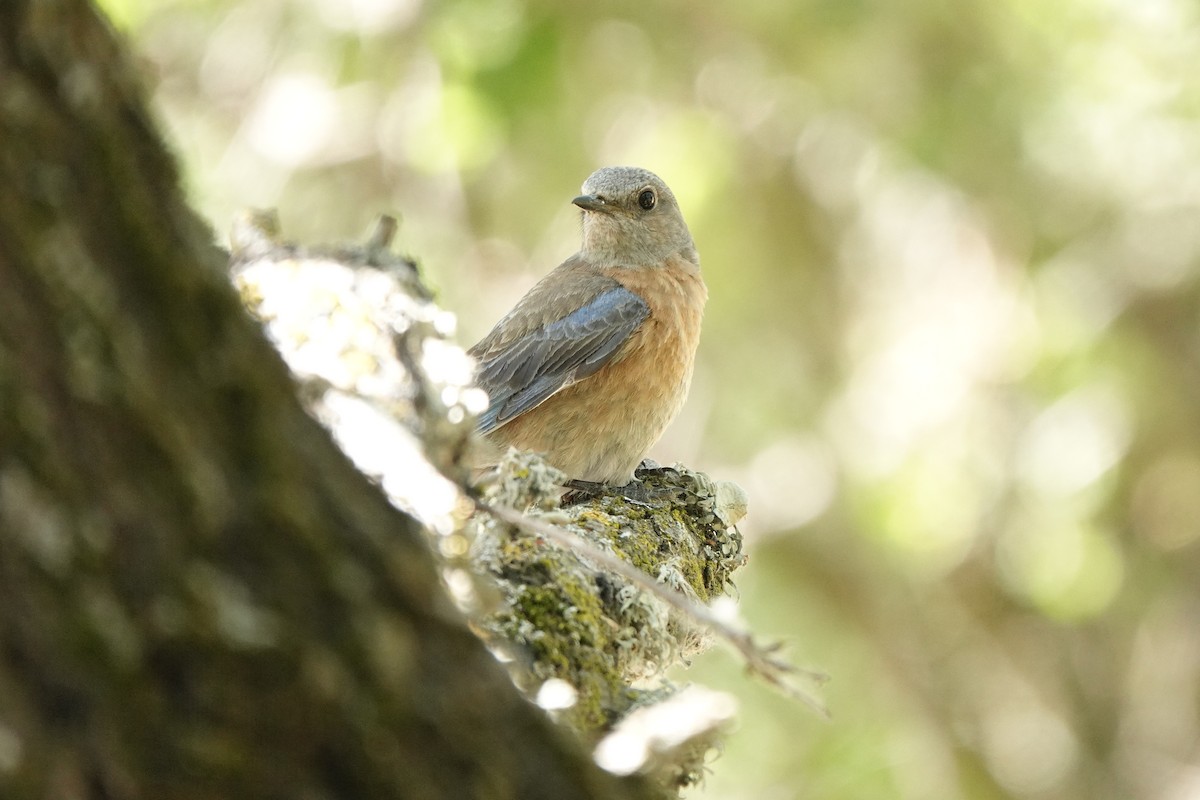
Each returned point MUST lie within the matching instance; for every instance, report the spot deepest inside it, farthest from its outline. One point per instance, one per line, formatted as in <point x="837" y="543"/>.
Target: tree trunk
<point x="200" y="597"/>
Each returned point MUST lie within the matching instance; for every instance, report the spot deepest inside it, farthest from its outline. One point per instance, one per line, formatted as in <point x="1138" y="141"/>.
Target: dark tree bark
<point x="200" y="597"/>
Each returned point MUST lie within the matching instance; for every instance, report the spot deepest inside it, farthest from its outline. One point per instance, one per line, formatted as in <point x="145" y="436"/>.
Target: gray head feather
<point x="618" y="227"/>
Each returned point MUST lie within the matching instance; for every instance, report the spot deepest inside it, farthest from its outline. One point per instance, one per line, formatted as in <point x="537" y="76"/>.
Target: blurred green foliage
<point x="952" y="349"/>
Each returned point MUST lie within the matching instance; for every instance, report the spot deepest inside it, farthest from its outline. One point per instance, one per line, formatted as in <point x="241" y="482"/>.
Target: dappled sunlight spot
<point x="237" y="56"/>
<point x="500" y="275"/>
<point x="470" y="37"/>
<point x="1075" y="441"/>
<point x="929" y="512"/>
<point x="1077" y="298"/>
<point x="386" y="450"/>
<point x="240" y="616"/>
<point x="1182" y="781"/>
<point x="618" y="47"/>
<point x="556" y="694"/>
<point x="1000" y="710"/>
<point x="318" y="317"/>
<point x="357" y="113"/>
<point x="367" y="16"/>
<point x="739" y="84"/>
<point x="615" y="117"/>
<point x="1066" y="567"/>
<point x="1113" y="128"/>
<point x="1161" y="723"/>
<point x="897" y="395"/>
<point x="674" y="140"/>
<point x="300" y="120"/>
<point x="407" y="103"/>
<point x="11" y="750"/>
<point x="435" y="126"/>
<point x="1028" y="748"/>
<point x="792" y="482"/>
<point x="927" y="264"/>
<point x="244" y="178"/>
<point x="293" y="118"/>
<point x="921" y="761"/>
<point x="834" y="156"/>
<point x="459" y="582"/>
<point x="934" y="321"/>
<point x="692" y="713"/>
<point x="1158" y="17"/>
<point x="1160" y="248"/>
<point x="451" y="129"/>
<point x="1165" y="508"/>
<point x="494" y="264"/>
<point x="793" y="100"/>
<point x="446" y="362"/>
<point x="40" y="528"/>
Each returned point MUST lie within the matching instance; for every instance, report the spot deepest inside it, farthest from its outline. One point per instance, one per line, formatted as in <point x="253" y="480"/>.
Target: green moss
<point x="565" y="618"/>
<point x="563" y="626"/>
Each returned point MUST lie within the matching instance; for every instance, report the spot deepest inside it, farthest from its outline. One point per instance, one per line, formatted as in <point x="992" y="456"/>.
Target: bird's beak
<point x="590" y="202"/>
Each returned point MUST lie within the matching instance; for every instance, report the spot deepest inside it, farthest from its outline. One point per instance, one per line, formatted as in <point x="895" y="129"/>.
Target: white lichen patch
<point x="372" y="349"/>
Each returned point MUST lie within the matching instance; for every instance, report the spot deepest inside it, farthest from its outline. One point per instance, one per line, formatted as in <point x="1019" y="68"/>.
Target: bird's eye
<point x="647" y="199"/>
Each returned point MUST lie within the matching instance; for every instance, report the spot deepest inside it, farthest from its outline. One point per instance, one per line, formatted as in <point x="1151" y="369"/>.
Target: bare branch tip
<point x="384" y="233"/>
<point x="254" y="229"/>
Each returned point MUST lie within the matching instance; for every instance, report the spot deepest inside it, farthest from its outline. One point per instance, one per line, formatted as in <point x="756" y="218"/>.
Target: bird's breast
<point x="600" y="428"/>
<point x="665" y="344"/>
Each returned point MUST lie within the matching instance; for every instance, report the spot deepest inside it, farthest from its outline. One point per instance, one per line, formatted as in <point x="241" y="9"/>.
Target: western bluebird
<point x="593" y="363"/>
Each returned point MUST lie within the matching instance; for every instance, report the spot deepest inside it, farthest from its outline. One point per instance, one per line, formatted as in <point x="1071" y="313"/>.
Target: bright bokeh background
<point x="952" y="349"/>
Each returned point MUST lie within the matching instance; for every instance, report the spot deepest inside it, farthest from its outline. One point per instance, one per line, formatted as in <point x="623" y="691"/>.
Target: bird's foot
<point x="650" y="468"/>
<point x="635" y="492"/>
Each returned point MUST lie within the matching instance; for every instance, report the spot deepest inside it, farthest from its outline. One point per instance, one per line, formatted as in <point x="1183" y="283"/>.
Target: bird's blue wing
<point x="523" y="373"/>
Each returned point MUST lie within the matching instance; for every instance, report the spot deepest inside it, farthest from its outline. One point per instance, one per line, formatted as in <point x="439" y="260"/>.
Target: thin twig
<point x="759" y="658"/>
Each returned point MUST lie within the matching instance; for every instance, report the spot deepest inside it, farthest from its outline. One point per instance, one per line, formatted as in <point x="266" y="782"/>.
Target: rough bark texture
<point x="200" y="597"/>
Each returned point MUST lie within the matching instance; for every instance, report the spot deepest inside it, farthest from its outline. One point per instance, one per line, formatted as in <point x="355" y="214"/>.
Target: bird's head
<point x="631" y="219"/>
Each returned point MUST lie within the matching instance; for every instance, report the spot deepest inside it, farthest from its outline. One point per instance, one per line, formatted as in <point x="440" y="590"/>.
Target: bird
<point x="593" y="363"/>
